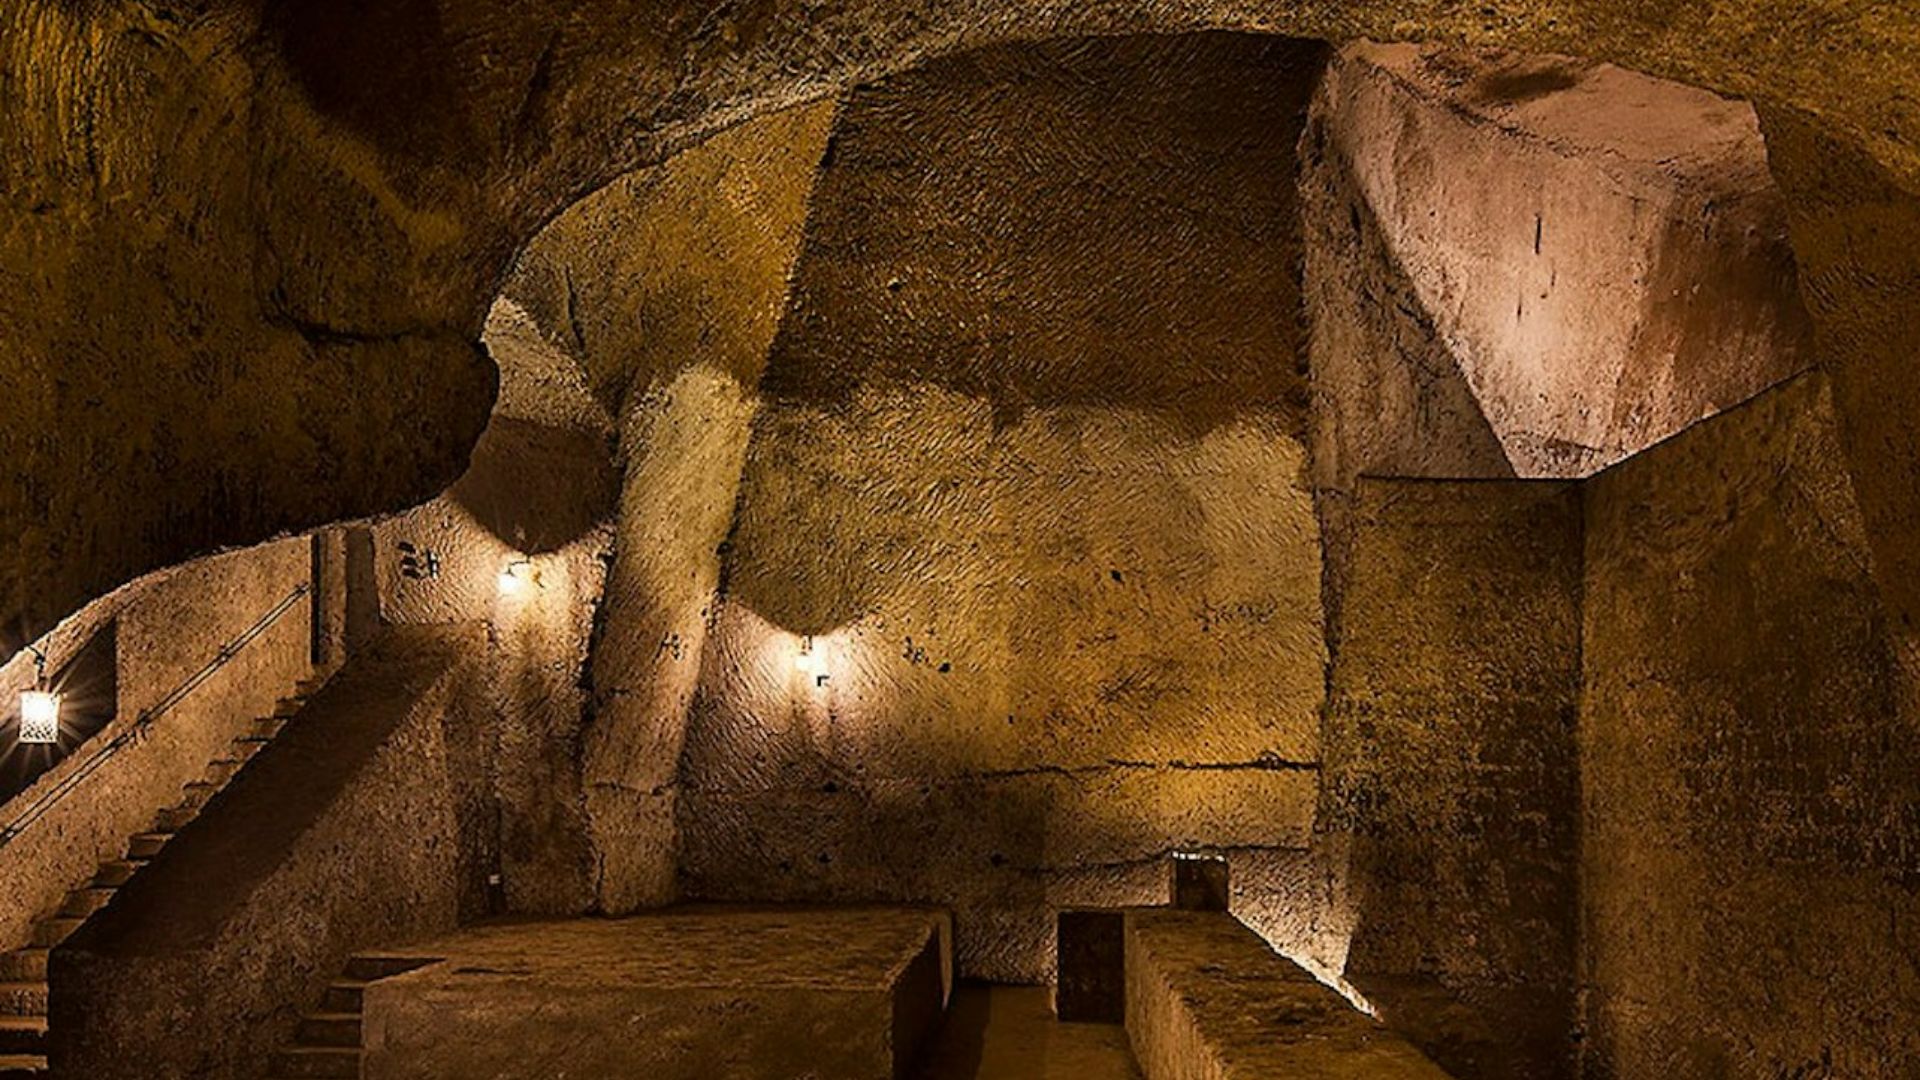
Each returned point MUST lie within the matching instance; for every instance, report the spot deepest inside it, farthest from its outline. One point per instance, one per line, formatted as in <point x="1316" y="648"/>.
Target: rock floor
<point x="1009" y="1033"/>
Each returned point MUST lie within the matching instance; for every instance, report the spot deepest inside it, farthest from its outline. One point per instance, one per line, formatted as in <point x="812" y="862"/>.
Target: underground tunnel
<point x="1169" y="541"/>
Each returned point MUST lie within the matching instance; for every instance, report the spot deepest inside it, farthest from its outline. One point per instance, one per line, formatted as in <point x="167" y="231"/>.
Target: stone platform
<point x="1207" y="999"/>
<point x="717" y="993"/>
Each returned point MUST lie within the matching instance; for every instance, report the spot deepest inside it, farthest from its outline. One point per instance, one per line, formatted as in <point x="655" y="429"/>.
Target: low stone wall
<point x="345" y="833"/>
<point x="683" y="994"/>
<point x="1207" y="999"/>
<point x="169" y="626"/>
<point x="1750" y="844"/>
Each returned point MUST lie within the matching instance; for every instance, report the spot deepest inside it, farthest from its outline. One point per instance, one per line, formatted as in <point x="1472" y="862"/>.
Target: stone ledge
<point x="1207" y="999"/>
<point x="678" y="994"/>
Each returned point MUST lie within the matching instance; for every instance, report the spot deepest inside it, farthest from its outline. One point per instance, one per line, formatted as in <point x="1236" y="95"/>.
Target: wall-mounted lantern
<point x="40" y="706"/>
<point x="809" y="662"/>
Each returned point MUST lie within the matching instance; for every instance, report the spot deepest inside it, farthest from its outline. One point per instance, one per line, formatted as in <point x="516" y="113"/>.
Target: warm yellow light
<point x="809" y="662"/>
<point x="39" y="716"/>
<point x="513" y="578"/>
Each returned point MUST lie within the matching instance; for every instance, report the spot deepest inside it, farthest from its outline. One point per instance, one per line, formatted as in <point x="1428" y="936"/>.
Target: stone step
<point x="288" y="708"/>
<point x="26" y="998"/>
<point x="303" y="1062"/>
<point x="50" y="932"/>
<point x="266" y="727"/>
<point x="117" y="872"/>
<point x="307" y="687"/>
<point x="85" y="901"/>
<point x="23" y="1067"/>
<point x="221" y="771"/>
<point x="344" y="996"/>
<point x="246" y="746"/>
<point x="24" y="965"/>
<point x="197" y="793"/>
<point x="340" y="1029"/>
<point x="367" y="968"/>
<point x="23" y="1034"/>
<point x="147" y="844"/>
<point x="174" y="818"/>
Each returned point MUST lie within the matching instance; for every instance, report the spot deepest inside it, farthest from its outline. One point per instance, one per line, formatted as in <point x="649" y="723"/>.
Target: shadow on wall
<point x="1006" y="259"/>
<point x="1029" y="471"/>
<point x="153" y="637"/>
<point x="536" y="487"/>
<point x="963" y="255"/>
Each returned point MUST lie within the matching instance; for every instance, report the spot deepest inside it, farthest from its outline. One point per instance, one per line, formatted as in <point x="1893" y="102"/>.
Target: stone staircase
<point x="327" y="1043"/>
<point x="23" y="972"/>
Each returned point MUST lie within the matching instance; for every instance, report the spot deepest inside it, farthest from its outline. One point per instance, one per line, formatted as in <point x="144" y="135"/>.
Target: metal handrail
<point x="48" y="799"/>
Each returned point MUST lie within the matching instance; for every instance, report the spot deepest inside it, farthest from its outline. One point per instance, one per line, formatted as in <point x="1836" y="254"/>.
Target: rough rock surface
<point x="1856" y="234"/>
<point x="680" y="994"/>
<point x="1601" y="259"/>
<point x="1449" y="813"/>
<point x="1750" y="851"/>
<point x="1029" y="483"/>
<point x="348" y="831"/>
<point x="246" y="250"/>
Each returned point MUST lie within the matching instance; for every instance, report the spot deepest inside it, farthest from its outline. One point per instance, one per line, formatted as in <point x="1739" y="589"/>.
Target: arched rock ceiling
<point x="244" y="255"/>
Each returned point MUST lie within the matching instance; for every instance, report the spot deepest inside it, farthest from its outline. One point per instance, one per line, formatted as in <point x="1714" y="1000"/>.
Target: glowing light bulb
<point x="810" y="663"/>
<point x="39" y="716"/>
<point x="513" y="578"/>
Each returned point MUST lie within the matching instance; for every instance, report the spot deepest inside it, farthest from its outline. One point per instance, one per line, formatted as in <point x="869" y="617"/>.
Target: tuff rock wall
<point x="1029" y="481"/>
<point x="1529" y="266"/>
<point x="1449" y="814"/>
<point x="247" y="249"/>
<point x="1600" y="259"/>
<point x="1749" y="831"/>
<point x="246" y="257"/>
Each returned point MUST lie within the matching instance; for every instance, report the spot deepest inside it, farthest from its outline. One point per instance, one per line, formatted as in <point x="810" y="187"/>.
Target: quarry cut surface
<point x="704" y="946"/>
<point x="705" y="992"/>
